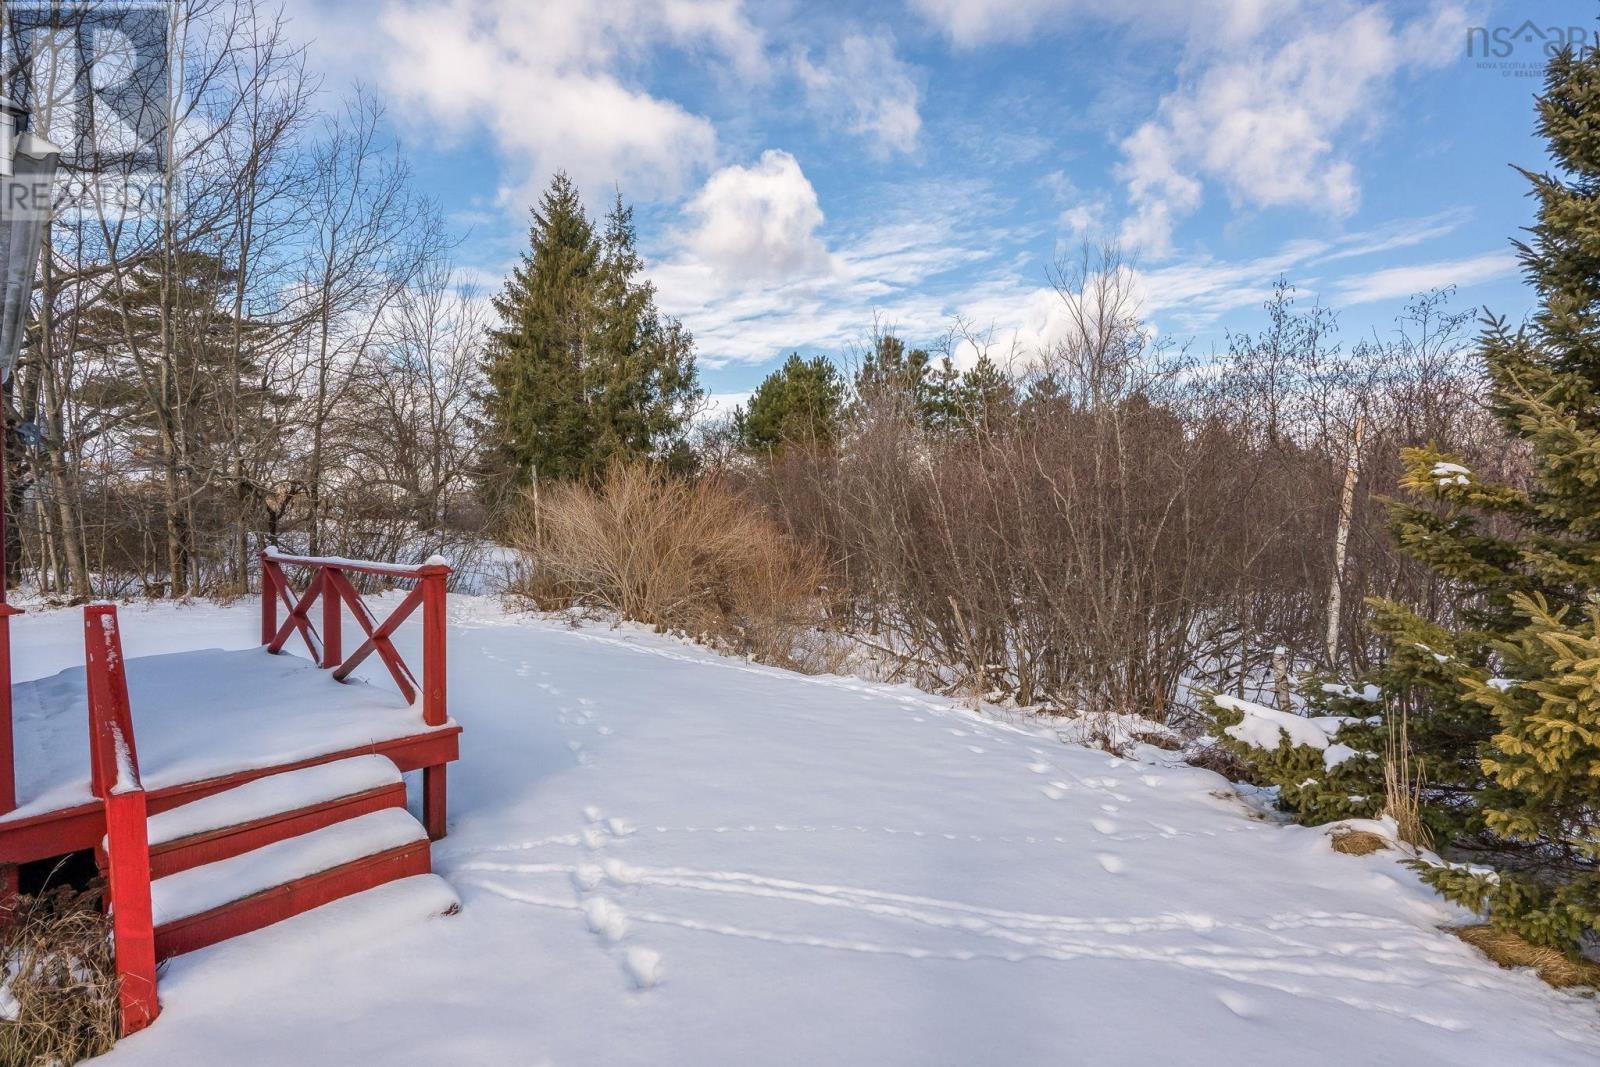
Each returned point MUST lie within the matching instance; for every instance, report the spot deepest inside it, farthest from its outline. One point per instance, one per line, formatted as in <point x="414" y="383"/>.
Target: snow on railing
<point x="329" y="584"/>
<point x="114" y="778"/>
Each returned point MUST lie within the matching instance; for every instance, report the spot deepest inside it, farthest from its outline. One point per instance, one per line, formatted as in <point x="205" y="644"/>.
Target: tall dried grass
<point x="1402" y="785"/>
<point x="685" y="557"/>
<point x="58" y="981"/>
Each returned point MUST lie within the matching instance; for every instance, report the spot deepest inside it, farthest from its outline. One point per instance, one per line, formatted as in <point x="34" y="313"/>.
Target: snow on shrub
<point x="1318" y="775"/>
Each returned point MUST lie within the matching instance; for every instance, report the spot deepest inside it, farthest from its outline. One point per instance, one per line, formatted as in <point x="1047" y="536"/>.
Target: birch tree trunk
<point x="1341" y="538"/>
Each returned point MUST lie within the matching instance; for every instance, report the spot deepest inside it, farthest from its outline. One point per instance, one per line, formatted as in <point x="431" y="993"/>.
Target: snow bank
<point x="801" y="870"/>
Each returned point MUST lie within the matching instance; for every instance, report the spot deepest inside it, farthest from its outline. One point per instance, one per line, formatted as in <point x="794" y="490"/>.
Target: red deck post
<point x="332" y="656"/>
<point x="114" y="772"/>
<point x="433" y="800"/>
<point x="434" y="710"/>
<point x="132" y="924"/>
<point x="269" y="602"/>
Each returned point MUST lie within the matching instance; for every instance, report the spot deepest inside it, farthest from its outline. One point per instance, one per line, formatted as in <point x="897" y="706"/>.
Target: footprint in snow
<point x="1112" y="864"/>
<point x="643" y="966"/>
<point x="605" y="919"/>
<point x="1103" y="826"/>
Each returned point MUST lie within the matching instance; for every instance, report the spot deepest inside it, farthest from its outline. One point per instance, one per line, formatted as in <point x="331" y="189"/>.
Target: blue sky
<point x="802" y="170"/>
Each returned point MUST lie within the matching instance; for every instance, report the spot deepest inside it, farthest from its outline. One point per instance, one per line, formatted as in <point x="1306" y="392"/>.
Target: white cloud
<point x="759" y="223"/>
<point x="1190" y="295"/>
<point x="974" y="23"/>
<point x="864" y="85"/>
<point x="1394" y="283"/>
<point x="1266" y="117"/>
<point x="552" y="83"/>
<point x="743" y="309"/>
<point x="721" y="405"/>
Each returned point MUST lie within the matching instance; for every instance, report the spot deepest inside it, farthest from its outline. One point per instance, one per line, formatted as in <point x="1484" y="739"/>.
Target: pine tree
<point x="1536" y="607"/>
<point x="988" y="397"/>
<point x="892" y="377"/>
<point x="802" y="401"/>
<point x="582" y="368"/>
<point x="534" y="410"/>
<point x="1504" y="709"/>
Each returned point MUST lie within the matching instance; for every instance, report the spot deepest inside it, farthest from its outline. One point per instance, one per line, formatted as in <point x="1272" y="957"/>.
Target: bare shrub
<point x="1138" y="525"/>
<point x="58" y="980"/>
<point x="686" y="557"/>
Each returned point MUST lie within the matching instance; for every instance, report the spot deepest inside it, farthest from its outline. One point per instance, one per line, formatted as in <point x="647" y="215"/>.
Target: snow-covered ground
<point x="665" y="856"/>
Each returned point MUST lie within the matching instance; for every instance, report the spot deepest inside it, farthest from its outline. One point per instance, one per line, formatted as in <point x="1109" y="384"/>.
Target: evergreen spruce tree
<point x="1532" y="556"/>
<point x="890" y="376"/>
<point x="988" y="397"/>
<point x="582" y="369"/>
<point x="940" y="408"/>
<point x="802" y="401"/>
<point x="1504" y="709"/>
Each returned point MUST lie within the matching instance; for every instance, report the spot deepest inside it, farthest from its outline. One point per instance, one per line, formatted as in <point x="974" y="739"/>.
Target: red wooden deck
<point x="62" y="830"/>
<point x="205" y="722"/>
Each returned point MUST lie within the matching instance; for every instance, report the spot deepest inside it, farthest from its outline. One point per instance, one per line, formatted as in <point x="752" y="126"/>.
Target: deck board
<point x="200" y="716"/>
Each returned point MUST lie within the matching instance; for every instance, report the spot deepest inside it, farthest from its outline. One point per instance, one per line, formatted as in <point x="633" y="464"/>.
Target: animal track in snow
<point x="643" y="966"/>
<point x="605" y="919"/>
<point x="1112" y="864"/>
<point x="587" y="877"/>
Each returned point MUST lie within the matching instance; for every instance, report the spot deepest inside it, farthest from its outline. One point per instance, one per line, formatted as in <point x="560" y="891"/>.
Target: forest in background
<point x="291" y="359"/>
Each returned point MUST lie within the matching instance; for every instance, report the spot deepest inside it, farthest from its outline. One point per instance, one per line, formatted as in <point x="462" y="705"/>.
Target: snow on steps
<point x="207" y="904"/>
<point x="271" y="809"/>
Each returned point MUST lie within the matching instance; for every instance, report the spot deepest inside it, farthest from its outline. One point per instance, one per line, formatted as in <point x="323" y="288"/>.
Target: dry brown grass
<point x="1512" y="950"/>
<point x="685" y="557"/>
<point x="1402" y="786"/>
<point x="57" y="967"/>
<point x="1359" y="842"/>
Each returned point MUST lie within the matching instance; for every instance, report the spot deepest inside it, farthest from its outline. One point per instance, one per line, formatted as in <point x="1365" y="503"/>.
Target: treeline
<point x="1111" y="524"/>
<point x="278" y="351"/>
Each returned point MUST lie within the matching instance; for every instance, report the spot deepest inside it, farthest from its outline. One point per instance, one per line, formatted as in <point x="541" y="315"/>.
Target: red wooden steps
<point x="278" y="846"/>
<point x="271" y="809"/>
<point x="290" y="899"/>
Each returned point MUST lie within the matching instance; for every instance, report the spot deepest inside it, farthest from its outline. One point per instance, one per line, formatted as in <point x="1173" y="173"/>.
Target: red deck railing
<point x="330" y="583"/>
<point x="114" y="778"/>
